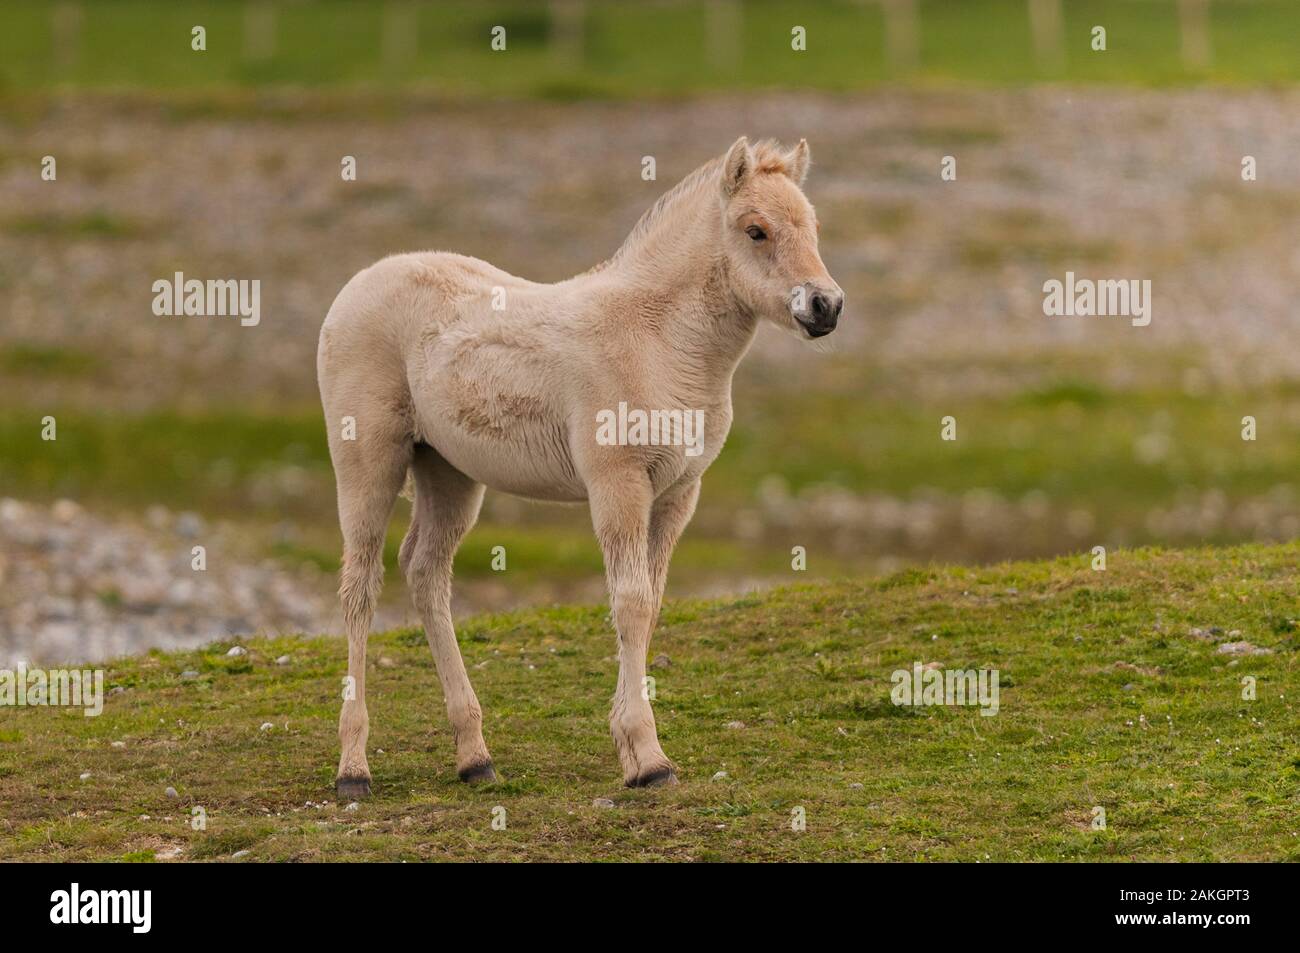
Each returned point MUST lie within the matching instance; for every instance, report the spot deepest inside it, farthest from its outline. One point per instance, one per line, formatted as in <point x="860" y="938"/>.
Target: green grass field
<point x="625" y="49"/>
<point x="1113" y="695"/>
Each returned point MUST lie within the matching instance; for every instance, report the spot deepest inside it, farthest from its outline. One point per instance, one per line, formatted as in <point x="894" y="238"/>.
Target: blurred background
<point x="225" y="163"/>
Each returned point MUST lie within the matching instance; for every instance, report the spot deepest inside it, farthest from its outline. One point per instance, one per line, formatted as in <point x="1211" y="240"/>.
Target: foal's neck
<point x="679" y="270"/>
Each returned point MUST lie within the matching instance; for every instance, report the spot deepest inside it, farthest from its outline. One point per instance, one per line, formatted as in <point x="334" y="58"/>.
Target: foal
<point x="465" y="376"/>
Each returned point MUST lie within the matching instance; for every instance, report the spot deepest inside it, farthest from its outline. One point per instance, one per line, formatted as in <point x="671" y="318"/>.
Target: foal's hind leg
<point x="369" y="471"/>
<point x="446" y="506"/>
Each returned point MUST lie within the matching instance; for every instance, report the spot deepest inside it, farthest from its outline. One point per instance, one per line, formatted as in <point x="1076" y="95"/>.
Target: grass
<point x="630" y="49"/>
<point x="1108" y="699"/>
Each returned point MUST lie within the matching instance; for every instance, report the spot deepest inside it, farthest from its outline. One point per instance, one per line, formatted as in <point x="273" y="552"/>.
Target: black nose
<point x="826" y="309"/>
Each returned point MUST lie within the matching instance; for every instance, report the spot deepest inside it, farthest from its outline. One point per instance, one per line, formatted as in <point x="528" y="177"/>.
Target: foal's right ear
<point x="737" y="166"/>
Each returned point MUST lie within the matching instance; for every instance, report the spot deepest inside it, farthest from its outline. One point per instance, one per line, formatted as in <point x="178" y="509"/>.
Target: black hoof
<point x="480" y="773"/>
<point x="657" y="778"/>
<point x="352" y="789"/>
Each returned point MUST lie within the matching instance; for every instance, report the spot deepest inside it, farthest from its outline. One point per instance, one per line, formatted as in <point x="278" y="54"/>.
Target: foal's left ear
<point x="737" y="166"/>
<point x="797" y="162"/>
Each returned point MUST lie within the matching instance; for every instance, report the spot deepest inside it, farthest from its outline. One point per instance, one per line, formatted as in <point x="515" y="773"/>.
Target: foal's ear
<point x="797" y="162"/>
<point x="737" y="166"/>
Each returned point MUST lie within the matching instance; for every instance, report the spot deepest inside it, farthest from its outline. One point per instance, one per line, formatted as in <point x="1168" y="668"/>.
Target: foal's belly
<point x="528" y="464"/>
<point x="488" y="399"/>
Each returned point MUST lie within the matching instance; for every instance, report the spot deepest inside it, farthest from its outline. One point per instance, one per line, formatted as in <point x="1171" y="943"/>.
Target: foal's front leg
<point x="620" y="511"/>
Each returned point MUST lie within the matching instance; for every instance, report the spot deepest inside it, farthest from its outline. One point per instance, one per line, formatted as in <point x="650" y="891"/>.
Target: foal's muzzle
<point x="822" y="313"/>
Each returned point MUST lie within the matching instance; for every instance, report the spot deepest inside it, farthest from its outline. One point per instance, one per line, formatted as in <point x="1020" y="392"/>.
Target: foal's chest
<point x="695" y="446"/>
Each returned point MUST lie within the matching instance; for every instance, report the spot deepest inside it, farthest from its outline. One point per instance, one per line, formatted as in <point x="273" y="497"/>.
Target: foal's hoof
<point x="480" y="773"/>
<point x="352" y="789"/>
<point x="655" y="778"/>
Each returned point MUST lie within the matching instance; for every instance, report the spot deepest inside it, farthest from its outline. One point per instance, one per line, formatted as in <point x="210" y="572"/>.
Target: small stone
<point x="720" y="776"/>
<point x="189" y="525"/>
<point x="171" y="792"/>
<point x="661" y="661"/>
<point x="157" y="517"/>
<point x="116" y="690"/>
<point x="856" y="785"/>
<point x="602" y="802"/>
<point x="266" y="726"/>
<point x="85" y="775"/>
<point x="283" y="660"/>
<point x="1242" y="648"/>
<point x="239" y="853"/>
<point x="931" y="666"/>
<point x="119" y="744"/>
<point x="65" y="511"/>
<point x="354" y="807"/>
<point x="236" y="651"/>
<point x="734" y="725"/>
<point x="386" y="662"/>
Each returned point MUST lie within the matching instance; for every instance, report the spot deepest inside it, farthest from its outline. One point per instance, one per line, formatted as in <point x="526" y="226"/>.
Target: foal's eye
<point x="756" y="233"/>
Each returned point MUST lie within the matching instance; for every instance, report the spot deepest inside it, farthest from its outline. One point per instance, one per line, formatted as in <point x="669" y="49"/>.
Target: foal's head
<point x="769" y="234"/>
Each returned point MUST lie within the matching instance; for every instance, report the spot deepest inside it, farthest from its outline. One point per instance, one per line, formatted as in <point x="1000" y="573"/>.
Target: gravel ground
<point x="1103" y="182"/>
<point x="75" y="587"/>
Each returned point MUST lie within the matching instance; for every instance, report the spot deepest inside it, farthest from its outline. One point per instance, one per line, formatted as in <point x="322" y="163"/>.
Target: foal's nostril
<point x="826" y="309"/>
<point x="821" y="307"/>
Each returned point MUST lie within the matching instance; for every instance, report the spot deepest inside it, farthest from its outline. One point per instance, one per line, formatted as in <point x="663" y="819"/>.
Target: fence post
<point x="902" y="37"/>
<point x="65" y="27"/>
<point x="259" y="30"/>
<point x="724" y="28"/>
<point x="1046" y="24"/>
<point x="1194" y="24"/>
<point x="399" y="34"/>
<point x="568" y="17"/>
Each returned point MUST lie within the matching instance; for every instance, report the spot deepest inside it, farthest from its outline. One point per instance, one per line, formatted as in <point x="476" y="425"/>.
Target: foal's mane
<point x="769" y="156"/>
